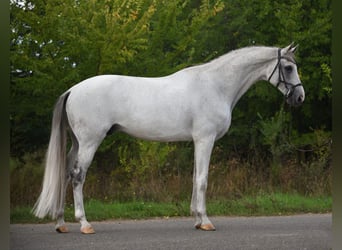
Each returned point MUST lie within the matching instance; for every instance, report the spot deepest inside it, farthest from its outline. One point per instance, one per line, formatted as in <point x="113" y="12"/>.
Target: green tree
<point x="176" y="36"/>
<point x="277" y="23"/>
<point x="56" y="44"/>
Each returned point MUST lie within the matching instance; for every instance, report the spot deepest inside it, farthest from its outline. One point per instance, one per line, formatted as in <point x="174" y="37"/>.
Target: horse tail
<point x="52" y="194"/>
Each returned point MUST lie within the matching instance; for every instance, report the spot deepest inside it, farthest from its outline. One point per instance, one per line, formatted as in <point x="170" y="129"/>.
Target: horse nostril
<point x="300" y="99"/>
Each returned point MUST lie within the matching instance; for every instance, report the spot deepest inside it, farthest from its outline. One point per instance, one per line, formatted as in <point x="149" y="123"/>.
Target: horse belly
<point x="164" y="127"/>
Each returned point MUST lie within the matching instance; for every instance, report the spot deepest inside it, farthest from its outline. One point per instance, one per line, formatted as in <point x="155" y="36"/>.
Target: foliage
<point x="59" y="43"/>
<point x="274" y="133"/>
<point x="168" y="177"/>
<point x="56" y="44"/>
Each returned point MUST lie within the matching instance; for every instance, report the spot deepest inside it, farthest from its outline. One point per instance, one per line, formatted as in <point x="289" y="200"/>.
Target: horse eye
<point x="288" y="68"/>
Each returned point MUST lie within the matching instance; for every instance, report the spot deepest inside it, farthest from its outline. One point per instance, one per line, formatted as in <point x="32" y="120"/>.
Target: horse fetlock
<point x="79" y="215"/>
<point x="193" y="210"/>
<point x="60" y="214"/>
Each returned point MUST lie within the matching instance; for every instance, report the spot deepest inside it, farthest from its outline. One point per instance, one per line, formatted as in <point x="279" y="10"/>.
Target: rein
<point x="290" y="87"/>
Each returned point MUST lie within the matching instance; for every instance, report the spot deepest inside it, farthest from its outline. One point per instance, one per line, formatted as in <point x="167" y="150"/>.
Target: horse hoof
<point x="206" y="227"/>
<point x="62" y="229"/>
<point x="87" y="230"/>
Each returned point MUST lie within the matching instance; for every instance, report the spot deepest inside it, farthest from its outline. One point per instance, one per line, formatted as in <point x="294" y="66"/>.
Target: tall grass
<point x="230" y="179"/>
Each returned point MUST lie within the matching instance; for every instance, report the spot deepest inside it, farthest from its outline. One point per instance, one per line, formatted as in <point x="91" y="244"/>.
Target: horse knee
<point x="202" y="184"/>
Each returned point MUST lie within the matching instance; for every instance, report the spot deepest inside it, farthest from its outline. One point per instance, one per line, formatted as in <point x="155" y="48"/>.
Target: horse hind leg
<point x="78" y="175"/>
<point x="60" y="226"/>
<point x="71" y="159"/>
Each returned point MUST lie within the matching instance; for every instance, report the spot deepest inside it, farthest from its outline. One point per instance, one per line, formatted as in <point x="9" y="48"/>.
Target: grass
<point x="263" y="204"/>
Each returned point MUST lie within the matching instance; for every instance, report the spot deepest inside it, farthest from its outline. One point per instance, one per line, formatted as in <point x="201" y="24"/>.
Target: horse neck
<point x="235" y="72"/>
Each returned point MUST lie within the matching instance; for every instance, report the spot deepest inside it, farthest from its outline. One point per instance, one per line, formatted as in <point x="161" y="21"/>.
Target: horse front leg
<point x="203" y="149"/>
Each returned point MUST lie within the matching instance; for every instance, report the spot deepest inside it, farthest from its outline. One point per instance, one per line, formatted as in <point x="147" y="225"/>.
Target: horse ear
<point x="290" y="48"/>
<point x="294" y="48"/>
<point x="287" y="48"/>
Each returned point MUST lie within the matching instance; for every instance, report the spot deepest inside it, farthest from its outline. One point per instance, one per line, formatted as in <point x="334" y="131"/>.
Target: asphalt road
<point x="280" y="232"/>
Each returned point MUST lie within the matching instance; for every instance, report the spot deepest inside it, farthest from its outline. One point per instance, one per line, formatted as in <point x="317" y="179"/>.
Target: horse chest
<point x="223" y="127"/>
<point x="213" y="119"/>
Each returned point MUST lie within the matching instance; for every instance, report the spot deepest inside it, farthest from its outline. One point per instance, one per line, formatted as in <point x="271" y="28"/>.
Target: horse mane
<point x="268" y="55"/>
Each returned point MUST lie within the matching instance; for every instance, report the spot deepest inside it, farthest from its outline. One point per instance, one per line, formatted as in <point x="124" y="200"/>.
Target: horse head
<point x="285" y="76"/>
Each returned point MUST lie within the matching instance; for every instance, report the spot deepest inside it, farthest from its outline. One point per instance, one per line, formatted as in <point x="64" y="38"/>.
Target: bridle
<point x="290" y="87"/>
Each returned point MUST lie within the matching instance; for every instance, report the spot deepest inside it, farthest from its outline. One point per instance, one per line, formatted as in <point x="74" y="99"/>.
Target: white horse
<point x="195" y="104"/>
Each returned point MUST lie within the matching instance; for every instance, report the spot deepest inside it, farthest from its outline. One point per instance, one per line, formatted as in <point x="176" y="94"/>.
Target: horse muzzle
<point x="295" y="95"/>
